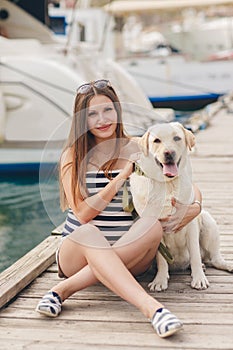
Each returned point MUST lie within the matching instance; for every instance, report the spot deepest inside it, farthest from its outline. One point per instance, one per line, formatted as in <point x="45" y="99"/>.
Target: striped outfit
<point x="113" y="221"/>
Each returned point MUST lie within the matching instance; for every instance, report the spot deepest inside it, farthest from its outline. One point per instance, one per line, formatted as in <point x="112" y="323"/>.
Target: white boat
<point x="38" y="81"/>
<point x="174" y="80"/>
<point x="170" y="80"/>
<point x="177" y="82"/>
<point x="198" y="28"/>
<point x="201" y="37"/>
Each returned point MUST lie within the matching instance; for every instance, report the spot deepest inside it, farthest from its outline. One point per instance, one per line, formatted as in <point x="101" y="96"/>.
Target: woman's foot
<point x="50" y="304"/>
<point x="165" y="323"/>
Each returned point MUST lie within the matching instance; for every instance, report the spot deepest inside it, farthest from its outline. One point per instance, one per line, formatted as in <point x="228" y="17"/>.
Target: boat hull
<point x="181" y="84"/>
<point x="184" y="103"/>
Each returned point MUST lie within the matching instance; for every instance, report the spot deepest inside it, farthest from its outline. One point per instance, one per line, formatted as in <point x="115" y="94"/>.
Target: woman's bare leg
<point x="110" y="266"/>
<point x="130" y="252"/>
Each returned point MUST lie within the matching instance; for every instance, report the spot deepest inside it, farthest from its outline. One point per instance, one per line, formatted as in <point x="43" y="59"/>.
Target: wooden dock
<point x="96" y="318"/>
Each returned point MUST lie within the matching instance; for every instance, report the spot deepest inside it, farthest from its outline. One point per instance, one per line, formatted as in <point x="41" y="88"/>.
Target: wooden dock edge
<point x="26" y="269"/>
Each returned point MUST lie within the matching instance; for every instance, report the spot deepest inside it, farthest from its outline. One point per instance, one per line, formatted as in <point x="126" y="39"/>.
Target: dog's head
<point x="167" y="144"/>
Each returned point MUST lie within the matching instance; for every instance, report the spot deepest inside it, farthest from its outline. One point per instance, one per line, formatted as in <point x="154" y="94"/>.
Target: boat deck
<point x="95" y="318"/>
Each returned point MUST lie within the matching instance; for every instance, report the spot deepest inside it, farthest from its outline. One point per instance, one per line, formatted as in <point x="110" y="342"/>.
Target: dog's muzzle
<point x="169" y="167"/>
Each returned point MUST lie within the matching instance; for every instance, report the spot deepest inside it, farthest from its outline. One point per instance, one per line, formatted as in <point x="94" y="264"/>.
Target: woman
<point x="99" y="235"/>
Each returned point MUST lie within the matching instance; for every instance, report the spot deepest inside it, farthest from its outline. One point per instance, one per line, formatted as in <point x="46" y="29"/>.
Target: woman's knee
<point x="152" y="226"/>
<point x="70" y="257"/>
<point x="88" y="235"/>
<point x="159" y="230"/>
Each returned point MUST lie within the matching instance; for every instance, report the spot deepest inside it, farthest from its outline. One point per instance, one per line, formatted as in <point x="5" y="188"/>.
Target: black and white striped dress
<point x="113" y="221"/>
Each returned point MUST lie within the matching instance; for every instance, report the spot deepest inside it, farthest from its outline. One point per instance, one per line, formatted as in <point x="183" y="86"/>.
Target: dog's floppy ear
<point x="143" y="142"/>
<point x="190" y="138"/>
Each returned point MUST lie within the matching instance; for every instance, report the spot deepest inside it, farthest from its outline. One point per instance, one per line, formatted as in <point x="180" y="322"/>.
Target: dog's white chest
<point x="150" y="197"/>
<point x="153" y="198"/>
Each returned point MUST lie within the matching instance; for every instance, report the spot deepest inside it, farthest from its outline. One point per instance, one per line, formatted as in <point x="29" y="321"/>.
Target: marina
<point x="40" y="70"/>
<point x="38" y="79"/>
<point x="169" y="74"/>
<point x="39" y="74"/>
<point x="95" y="318"/>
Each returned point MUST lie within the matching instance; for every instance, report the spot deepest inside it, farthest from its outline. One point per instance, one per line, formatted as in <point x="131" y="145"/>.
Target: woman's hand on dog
<point x="183" y="215"/>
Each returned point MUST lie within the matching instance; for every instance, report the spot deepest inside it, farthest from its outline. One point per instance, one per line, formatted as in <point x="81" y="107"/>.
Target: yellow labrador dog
<point x="165" y="172"/>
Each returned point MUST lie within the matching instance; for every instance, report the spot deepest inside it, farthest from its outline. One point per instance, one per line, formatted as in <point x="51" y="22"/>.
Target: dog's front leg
<point x="199" y="280"/>
<point x="160" y="282"/>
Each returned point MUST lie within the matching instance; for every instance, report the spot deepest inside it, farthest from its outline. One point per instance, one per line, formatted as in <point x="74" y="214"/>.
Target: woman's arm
<point x="184" y="213"/>
<point x="87" y="209"/>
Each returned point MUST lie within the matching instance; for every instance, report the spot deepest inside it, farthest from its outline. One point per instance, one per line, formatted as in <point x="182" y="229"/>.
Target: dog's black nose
<point x="169" y="156"/>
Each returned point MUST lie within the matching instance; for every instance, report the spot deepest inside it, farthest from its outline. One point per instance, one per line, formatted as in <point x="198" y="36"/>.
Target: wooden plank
<point x="120" y="334"/>
<point x="182" y="289"/>
<point x="92" y="310"/>
<point x="220" y="282"/>
<point x="58" y="345"/>
<point x="26" y="269"/>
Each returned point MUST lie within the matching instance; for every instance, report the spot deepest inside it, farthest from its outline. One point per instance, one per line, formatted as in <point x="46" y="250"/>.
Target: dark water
<point x="29" y="211"/>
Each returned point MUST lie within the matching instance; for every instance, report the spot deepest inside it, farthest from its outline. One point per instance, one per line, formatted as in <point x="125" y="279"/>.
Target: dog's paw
<point x="200" y="282"/>
<point x="229" y="267"/>
<point x="222" y="264"/>
<point x="158" y="284"/>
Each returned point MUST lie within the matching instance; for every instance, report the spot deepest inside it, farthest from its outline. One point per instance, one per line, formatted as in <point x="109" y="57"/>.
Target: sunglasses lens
<point x="83" y="89"/>
<point x="101" y="84"/>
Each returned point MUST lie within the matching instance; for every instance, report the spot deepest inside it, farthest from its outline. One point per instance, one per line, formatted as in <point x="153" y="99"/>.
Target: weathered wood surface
<point x="95" y="318"/>
<point x="26" y="269"/>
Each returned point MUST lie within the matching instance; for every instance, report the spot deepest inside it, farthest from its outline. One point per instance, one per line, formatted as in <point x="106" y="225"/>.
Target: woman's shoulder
<point x="66" y="156"/>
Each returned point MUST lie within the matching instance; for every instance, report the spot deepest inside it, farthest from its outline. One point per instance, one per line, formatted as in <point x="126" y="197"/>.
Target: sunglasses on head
<point x="98" y="84"/>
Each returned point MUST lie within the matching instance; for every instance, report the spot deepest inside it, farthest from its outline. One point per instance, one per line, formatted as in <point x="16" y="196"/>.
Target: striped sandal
<point x="165" y="323"/>
<point x="50" y="304"/>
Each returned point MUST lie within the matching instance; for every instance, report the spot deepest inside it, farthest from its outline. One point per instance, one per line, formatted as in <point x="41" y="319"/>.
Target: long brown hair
<point x="81" y="141"/>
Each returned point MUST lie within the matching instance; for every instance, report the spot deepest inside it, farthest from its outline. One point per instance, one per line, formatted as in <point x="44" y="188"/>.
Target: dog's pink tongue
<point x="170" y="169"/>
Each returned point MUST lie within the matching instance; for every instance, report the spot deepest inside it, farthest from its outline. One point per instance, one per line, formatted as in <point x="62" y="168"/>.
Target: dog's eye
<point x="157" y="141"/>
<point x="177" y="138"/>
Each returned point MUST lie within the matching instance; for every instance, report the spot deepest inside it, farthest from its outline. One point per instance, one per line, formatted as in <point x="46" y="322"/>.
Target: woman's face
<point x="102" y="118"/>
